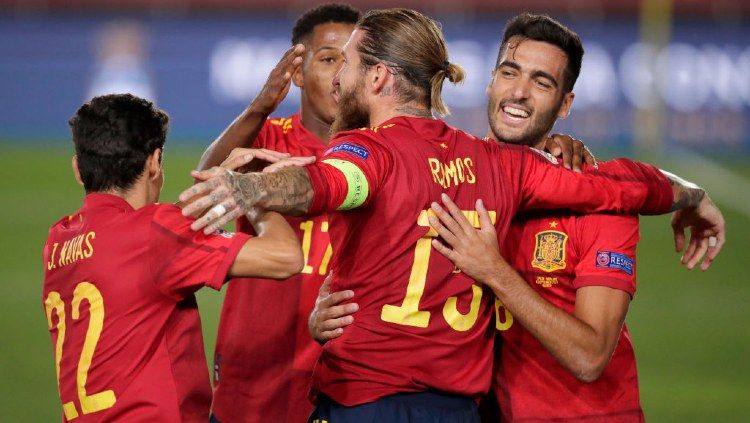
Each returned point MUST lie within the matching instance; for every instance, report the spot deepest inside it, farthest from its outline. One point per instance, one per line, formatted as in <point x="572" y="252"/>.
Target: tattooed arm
<point x="288" y="191"/>
<point x="686" y="194"/>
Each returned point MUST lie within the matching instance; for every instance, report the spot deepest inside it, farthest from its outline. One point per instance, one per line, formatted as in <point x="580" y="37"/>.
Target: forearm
<point x="274" y="253"/>
<point x="575" y="344"/>
<point x="240" y="133"/>
<point x="287" y="191"/>
<point x="686" y="194"/>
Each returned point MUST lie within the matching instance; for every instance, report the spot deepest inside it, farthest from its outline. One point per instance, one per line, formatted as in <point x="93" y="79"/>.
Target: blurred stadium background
<point x="667" y="82"/>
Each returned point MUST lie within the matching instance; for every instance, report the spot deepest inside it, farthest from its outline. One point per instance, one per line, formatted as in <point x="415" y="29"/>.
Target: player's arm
<point x="274" y="253"/>
<point x="241" y="133"/>
<point x="635" y="188"/>
<point x="582" y="342"/>
<point x="346" y="178"/>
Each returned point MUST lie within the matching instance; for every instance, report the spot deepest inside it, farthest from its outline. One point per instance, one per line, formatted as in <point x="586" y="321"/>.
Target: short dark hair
<point x="544" y="28"/>
<point x="113" y="136"/>
<point x="326" y="13"/>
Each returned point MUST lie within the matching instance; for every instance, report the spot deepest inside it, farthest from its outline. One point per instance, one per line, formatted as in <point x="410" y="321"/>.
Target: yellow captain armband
<point x="358" y="188"/>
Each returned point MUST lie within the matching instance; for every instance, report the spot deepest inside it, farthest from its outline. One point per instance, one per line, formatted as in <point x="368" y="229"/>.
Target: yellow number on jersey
<point x="307" y="229"/>
<point x="408" y="313"/>
<point x="83" y="291"/>
<point x="507" y="321"/>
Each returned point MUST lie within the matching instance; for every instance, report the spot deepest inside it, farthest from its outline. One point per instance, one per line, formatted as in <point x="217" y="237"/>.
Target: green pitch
<point x="691" y="329"/>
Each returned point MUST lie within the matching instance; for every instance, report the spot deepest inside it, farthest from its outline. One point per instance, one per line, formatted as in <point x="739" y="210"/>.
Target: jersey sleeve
<point x="183" y="260"/>
<point x="633" y="188"/>
<point x="349" y="174"/>
<point x="264" y="139"/>
<point x="607" y="251"/>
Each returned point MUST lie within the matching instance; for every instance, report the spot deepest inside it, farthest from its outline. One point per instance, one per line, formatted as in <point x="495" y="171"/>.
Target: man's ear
<point x="76" y="172"/>
<point x="153" y="164"/>
<point x="566" y="104"/>
<point x="380" y="80"/>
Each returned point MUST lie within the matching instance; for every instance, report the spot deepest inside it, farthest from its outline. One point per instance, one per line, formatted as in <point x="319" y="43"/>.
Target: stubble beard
<point x="540" y="125"/>
<point x="352" y="113"/>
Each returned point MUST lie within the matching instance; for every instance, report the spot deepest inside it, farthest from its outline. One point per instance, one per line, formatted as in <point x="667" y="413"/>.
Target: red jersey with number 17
<point x="421" y="324"/>
<point x="118" y="295"/>
<point x="264" y="354"/>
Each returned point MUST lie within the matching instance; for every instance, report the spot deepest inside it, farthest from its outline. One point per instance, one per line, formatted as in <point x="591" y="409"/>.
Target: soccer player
<point x="565" y="355"/>
<point x="420" y="344"/>
<point x="266" y="377"/>
<point x="584" y="265"/>
<point x="121" y="271"/>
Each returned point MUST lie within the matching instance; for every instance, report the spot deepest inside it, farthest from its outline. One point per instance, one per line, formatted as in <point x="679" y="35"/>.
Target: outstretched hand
<point x="707" y="233"/>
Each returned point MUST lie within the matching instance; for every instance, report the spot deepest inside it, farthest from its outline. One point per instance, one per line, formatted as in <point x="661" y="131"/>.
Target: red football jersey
<point x="421" y="324"/>
<point x="264" y="353"/>
<point x="118" y="294"/>
<point x="557" y="253"/>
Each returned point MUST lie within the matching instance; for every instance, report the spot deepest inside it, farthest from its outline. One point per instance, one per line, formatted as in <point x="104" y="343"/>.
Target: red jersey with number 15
<point x="422" y="325"/>
<point x="118" y="295"/>
<point x="264" y="353"/>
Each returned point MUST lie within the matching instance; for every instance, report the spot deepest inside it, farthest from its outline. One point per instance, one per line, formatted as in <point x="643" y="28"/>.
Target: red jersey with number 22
<point x="264" y="354"/>
<point x="422" y="325"/>
<point x="118" y="295"/>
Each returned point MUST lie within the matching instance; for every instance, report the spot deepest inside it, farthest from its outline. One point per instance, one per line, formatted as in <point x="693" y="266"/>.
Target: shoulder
<point x="164" y="215"/>
<point x="358" y="142"/>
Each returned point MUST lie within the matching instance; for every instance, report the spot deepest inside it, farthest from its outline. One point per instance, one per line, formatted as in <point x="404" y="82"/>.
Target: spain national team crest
<point x="549" y="253"/>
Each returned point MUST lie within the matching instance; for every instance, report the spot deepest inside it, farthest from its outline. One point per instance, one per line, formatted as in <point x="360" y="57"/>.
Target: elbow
<point x="296" y="260"/>
<point x="590" y="369"/>
<point x="291" y="261"/>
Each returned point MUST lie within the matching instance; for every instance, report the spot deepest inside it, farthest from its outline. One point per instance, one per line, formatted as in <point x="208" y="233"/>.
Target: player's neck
<point x="137" y="196"/>
<point x="538" y="145"/>
<point x="383" y="113"/>
<point x="315" y="125"/>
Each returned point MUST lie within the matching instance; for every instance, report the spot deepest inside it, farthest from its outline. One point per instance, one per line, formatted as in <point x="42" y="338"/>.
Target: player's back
<point x="421" y="324"/>
<point x="127" y="341"/>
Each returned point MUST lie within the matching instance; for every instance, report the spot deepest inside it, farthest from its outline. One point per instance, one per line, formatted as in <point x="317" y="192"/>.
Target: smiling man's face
<point x="527" y="91"/>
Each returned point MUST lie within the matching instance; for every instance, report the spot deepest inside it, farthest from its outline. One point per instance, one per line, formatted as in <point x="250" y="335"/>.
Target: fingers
<point x="241" y="156"/>
<point x="485" y="221"/>
<point x="211" y="216"/>
<point x="204" y="200"/>
<point x="714" y="250"/>
<point x="336" y="298"/>
<point x="457" y="214"/>
<point x="325" y="289"/>
<point x="444" y="233"/>
<point x="552" y="145"/>
<point x="222" y="221"/>
<point x="237" y="161"/>
<point x="679" y="236"/>
<point x="577" y="158"/>
<point x="291" y="161"/>
<point x="565" y="145"/>
<point x="447" y="227"/>
<point x="588" y="156"/>
<point x="442" y="249"/>
<point x="692" y="246"/>
<point x="325" y="336"/>
<point x="699" y="252"/>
